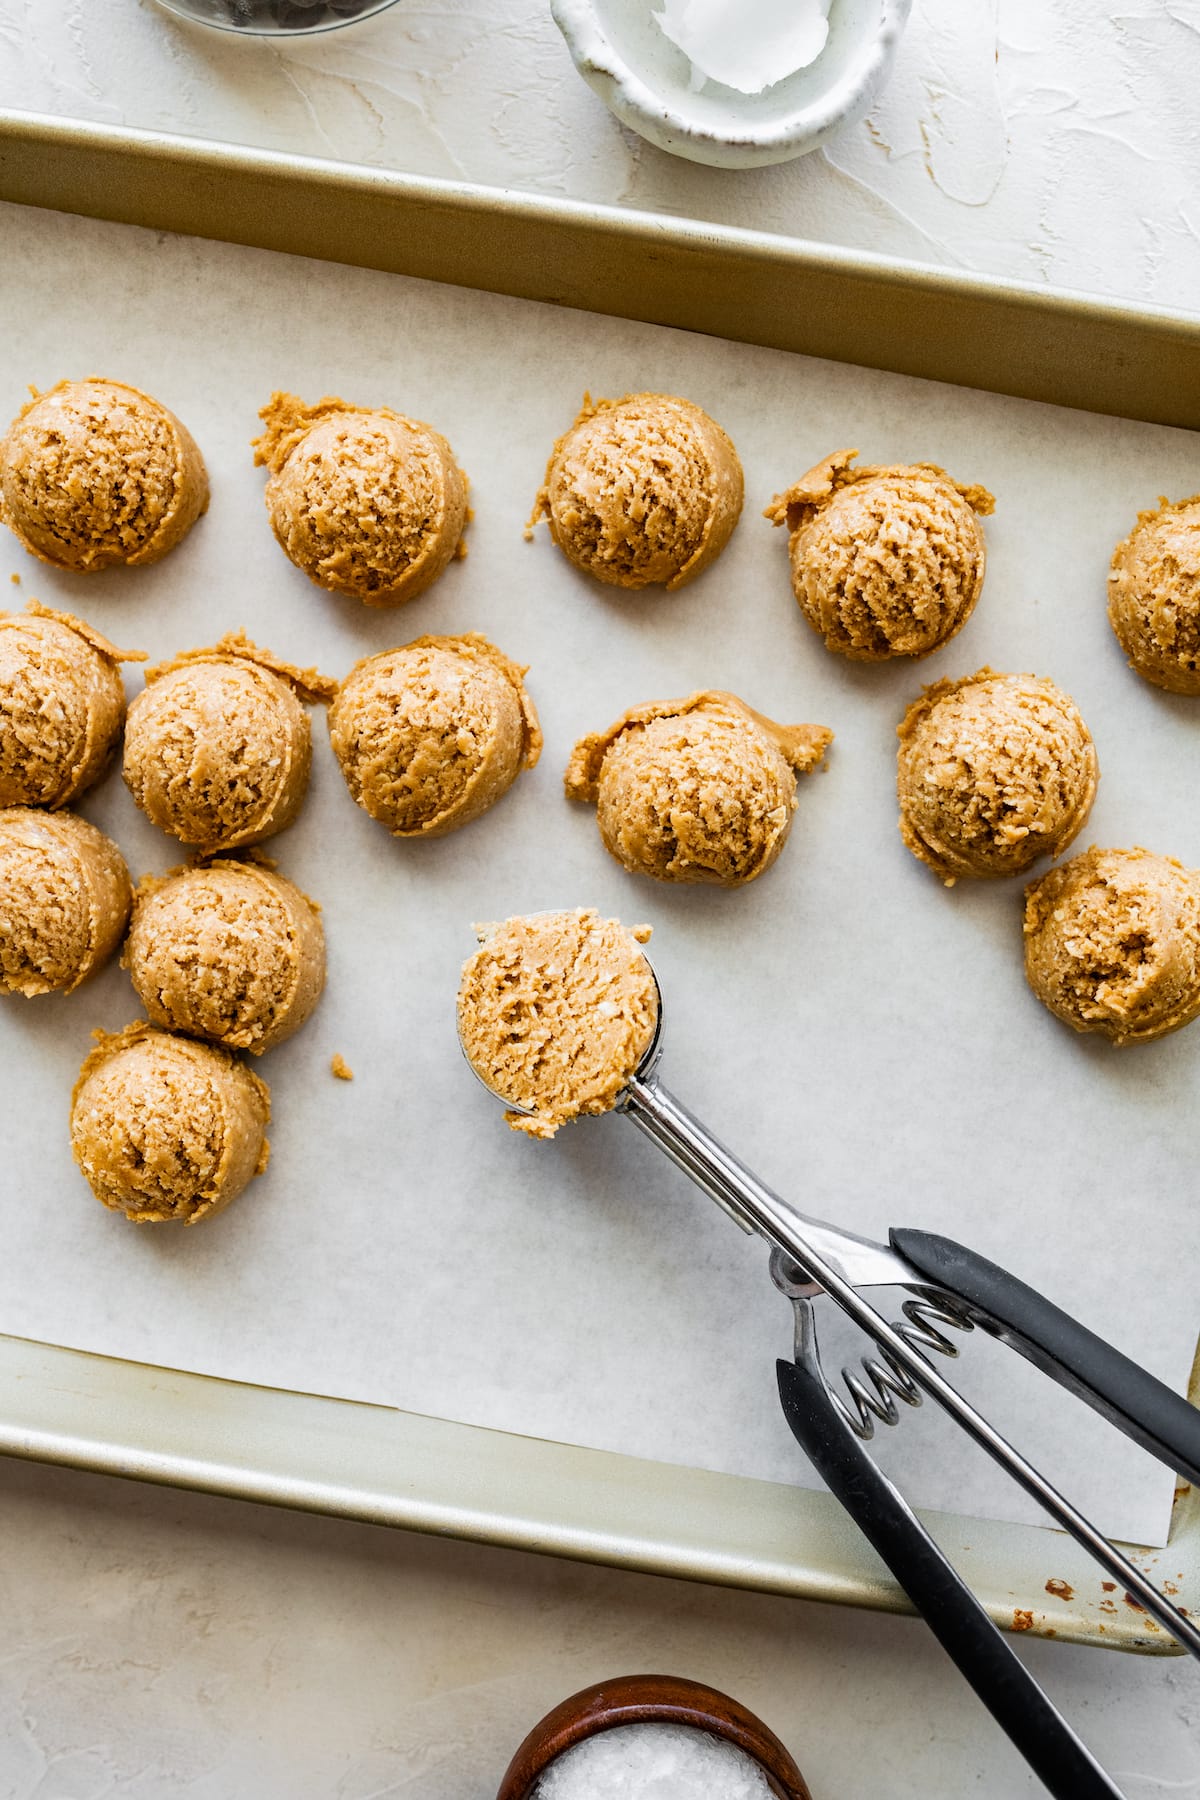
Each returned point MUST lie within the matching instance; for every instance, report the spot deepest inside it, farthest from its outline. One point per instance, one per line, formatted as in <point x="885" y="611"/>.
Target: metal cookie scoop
<point x="951" y="1287"/>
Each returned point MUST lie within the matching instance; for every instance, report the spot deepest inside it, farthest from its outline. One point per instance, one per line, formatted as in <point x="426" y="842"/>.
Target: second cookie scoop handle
<point x="1136" y="1402"/>
<point x="1012" y="1696"/>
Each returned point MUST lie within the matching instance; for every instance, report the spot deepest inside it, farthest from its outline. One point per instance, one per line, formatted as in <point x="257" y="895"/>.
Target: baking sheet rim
<point x="385" y="1466"/>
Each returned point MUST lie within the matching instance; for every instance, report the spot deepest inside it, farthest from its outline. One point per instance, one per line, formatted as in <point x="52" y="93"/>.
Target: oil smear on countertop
<point x="749" y="46"/>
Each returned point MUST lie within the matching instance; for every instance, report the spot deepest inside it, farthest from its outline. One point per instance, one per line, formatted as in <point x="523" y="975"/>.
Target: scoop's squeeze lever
<point x="561" y="1014"/>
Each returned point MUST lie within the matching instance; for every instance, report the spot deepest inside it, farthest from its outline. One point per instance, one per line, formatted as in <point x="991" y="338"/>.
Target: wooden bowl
<point x="650" y="1700"/>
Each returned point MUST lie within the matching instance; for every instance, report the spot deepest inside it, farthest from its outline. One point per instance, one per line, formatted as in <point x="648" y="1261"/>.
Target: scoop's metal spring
<point x="888" y="1381"/>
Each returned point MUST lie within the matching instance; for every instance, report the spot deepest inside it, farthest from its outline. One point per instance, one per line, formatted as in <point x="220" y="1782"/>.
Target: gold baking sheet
<point x="743" y="285"/>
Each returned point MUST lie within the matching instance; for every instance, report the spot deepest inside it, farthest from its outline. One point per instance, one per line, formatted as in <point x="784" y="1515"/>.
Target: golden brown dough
<point x="642" y="490"/>
<point x="165" y="1128"/>
<point x="885" y="561"/>
<point x="1154" y="595"/>
<point x="218" y="746"/>
<point x="431" y="735"/>
<point x="993" y="772"/>
<point x="62" y="706"/>
<point x="64" y="901"/>
<point x="228" y="951"/>
<point x="95" y="473"/>
<point x="555" y="1013"/>
<point x="701" y="789"/>
<point x="1112" y="943"/>
<point x="364" y="501"/>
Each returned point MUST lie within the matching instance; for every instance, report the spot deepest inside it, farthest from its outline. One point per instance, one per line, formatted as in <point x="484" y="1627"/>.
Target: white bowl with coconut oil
<point x="650" y="83"/>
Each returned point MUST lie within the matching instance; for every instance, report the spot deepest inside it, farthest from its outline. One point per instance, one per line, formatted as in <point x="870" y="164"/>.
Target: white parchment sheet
<point x="862" y="1036"/>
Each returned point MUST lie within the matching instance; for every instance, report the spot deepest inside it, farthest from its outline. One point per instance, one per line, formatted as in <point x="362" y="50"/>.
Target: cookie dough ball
<point x="429" y="736"/>
<point x="229" y="951"/>
<point x="364" y="501"/>
<point x="62" y="706"/>
<point x="218" y="746"/>
<point x="64" y="901"/>
<point x="641" y="491"/>
<point x="885" y="561"/>
<point x="96" y="473"/>
<point x="701" y="789"/>
<point x="164" y="1128"/>
<point x="1112" y="943"/>
<point x="555" y="1013"/>
<point x="1154" y="595"/>
<point x="993" y="772"/>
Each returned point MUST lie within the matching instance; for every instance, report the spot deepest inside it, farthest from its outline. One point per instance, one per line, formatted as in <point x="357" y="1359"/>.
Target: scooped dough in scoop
<point x="701" y="789"/>
<point x="555" y="1013"/>
<point x="642" y="490"/>
<point x="64" y="901"/>
<point x="167" y="1129"/>
<point x="227" y="951"/>
<point x="1112" y="943"/>
<point x="62" y="706"/>
<point x="364" y="501"/>
<point x="218" y="746"/>
<point x="95" y="473"/>
<point x="1154" y="595"/>
<point x="431" y="735"/>
<point x="993" y="772"/>
<point x="885" y="561"/>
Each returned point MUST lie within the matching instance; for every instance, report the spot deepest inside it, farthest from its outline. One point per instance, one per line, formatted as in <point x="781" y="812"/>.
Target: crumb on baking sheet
<point x="341" y="1068"/>
<point x="15" y="579"/>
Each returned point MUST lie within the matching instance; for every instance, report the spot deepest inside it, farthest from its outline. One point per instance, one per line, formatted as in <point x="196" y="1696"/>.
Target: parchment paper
<point x="862" y="1036"/>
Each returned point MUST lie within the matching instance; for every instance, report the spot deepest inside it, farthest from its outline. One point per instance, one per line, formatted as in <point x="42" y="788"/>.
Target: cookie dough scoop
<point x="165" y="1129"/>
<point x="993" y="772"/>
<point x="64" y="901"/>
<point x="701" y="789"/>
<point x="428" y="737"/>
<point x="529" y="1012"/>
<point x="362" y="500"/>
<point x="218" y="745"/>
<point x="885" y="561"/>
<point x="641" y="491"/>
<point x="1112" y="943"/>
<point x="1154" y="596"/>
<point x="228" y="951"/>
<point x="95" y="474"/>
<point x="556" y="1012"/>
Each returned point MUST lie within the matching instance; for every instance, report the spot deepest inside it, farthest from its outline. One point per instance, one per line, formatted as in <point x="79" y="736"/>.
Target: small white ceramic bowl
<point x="645" y="80"/>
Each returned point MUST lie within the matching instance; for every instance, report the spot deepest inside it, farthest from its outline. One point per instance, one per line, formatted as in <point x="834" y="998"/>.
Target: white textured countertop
<point x="158" y="1646"/>
<point x="1055" y="142"/>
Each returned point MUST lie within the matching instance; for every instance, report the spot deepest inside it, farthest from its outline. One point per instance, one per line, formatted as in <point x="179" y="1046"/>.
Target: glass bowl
<point x="275" y="18"/>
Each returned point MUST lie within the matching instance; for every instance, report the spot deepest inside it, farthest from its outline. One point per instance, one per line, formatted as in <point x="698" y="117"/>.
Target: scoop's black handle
<point x="1140" y="1405"/>
<point x="962" y="1627"/>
